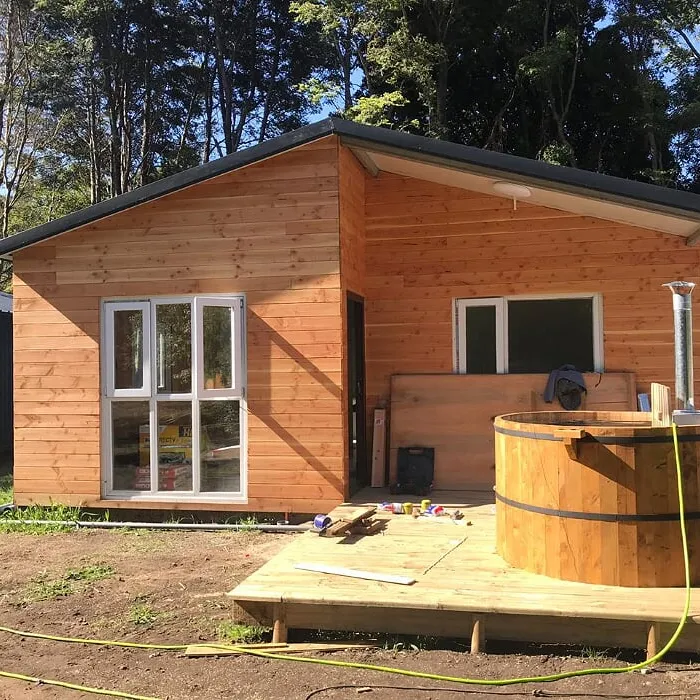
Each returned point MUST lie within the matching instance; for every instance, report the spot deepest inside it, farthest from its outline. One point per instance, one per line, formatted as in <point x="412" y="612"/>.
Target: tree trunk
<point x="441" y="100"/>
<point x="346" y="61"/>
<point x="145" y="156"/>
<point x="8" y="51"/>
<point x="125" y="130"/>
<point x="114" y="135"/>
<point x="209" y="114"/>
<point x="225" y="96"/>
<point x="93" y="137"/>
<point x="269" y="93"/>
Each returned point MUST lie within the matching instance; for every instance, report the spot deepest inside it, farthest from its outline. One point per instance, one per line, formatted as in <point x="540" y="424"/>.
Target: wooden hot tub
<point x="591" y="496"/>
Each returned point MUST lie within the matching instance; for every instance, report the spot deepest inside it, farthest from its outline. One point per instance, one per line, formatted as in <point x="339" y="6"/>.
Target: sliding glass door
<point x="173" y="399"/>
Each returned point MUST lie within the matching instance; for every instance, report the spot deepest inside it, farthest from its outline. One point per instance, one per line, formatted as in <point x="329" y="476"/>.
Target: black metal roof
<point x="638" y="194"/>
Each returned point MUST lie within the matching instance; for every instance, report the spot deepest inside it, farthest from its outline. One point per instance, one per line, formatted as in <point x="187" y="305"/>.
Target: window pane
<point x="545" y="334"/>
<point x="128" y="349"/>
<point x="131" y="463"/>
<point x="174" y="446"/>
<point x="220" y="445"/>
<point x="174" y="348"/>
<point x="481" y="339"/>
<point x="217" y="347"/>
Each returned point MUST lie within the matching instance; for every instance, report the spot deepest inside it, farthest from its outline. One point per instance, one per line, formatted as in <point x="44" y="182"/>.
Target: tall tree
<point x="341" y="24"/>
<point x="254" y="57"/>
<point x="27" y="128"/>
<point x="100" y="96"/>
<point x="679" y="21"/>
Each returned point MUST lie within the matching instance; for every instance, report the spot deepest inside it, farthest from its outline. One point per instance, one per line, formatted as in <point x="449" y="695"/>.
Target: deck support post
<point x="279" y="624"/>
<point x="653" y="639"/>
<point x="478" y="636"/>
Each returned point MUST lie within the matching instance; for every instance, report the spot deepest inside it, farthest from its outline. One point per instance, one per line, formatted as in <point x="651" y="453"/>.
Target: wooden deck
<point x="463" y="589"/>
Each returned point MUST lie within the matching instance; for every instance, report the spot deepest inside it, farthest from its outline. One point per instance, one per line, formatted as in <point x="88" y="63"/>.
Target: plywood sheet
<point x="454" y="413"/>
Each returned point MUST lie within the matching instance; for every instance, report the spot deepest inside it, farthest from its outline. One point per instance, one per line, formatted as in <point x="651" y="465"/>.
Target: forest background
<point x="98" y="97"/>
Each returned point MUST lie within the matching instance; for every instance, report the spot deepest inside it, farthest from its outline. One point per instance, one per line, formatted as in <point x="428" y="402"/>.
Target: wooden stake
<point x="653" y="639"/>
<point x="478" y="636"/>
<point x="279" y="624"/>
<point x="379" y="448"/>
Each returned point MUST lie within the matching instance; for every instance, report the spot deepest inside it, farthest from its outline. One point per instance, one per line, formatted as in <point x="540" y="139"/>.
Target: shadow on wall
<point x="265" y="341"/>
<point x="45" y="340"/>
<point x="56" y="326"/>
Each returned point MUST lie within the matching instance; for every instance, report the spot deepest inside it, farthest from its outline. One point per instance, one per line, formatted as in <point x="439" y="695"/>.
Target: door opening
<point x="357" y="439"/>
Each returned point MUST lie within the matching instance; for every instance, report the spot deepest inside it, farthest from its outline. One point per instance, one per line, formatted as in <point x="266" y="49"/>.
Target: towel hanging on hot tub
<point x="568" y="385"/>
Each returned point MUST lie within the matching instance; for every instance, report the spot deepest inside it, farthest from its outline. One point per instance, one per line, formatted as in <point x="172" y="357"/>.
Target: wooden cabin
<point x="220" y="339"/>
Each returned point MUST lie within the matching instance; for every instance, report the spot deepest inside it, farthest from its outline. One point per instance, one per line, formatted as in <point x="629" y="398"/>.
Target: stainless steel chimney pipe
<point x="683" y="336"/>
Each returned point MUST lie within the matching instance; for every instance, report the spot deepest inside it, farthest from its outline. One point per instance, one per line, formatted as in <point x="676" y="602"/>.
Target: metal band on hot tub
<point x="604" y="517"/>
<point x="603" y="439"/>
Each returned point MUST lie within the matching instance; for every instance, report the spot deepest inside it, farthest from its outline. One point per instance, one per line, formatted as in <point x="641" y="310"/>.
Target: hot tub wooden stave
<point x="592" y="497"/>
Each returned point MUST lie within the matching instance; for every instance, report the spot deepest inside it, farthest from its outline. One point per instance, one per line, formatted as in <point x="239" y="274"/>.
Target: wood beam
<point x="694" y="238"/>
<point x="366" y="159"/>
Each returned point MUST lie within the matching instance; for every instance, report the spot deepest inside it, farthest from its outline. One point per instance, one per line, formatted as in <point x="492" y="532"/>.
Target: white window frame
<point x="150" y="394"/>
<point x="236" y="359"/>
<point x="459" y="316"/>
<point x="108" y="323"/>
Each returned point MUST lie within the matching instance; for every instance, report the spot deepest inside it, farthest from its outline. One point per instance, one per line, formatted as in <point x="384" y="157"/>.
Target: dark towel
<point x="564" y="383"/>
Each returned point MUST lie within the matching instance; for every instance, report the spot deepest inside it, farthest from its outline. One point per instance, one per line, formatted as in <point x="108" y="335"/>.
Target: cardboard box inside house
<point x="174" y="457"/>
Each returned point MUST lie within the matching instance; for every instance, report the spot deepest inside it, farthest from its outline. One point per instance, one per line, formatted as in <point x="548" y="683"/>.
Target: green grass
<point x="248" y="524"/>
<point x="11" y="520"/>
<point x="6" y="491"/>
<point x="41" y="587"/>
<point x="90" y="573"/>
<point x="593" y="654"/>
<point x="46" y="590"/>
<point x="141" y="613"/>
<point x="236" y="633"/>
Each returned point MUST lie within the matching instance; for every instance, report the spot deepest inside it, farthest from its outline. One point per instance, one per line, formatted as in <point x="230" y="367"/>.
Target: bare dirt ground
<point x="168" y="588"/>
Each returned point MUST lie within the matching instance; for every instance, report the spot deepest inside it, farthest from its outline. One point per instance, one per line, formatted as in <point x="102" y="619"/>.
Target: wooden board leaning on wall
<point x="454" y="414"/>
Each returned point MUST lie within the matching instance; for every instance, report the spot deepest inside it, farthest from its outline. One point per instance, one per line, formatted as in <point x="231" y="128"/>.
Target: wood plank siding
<point x="270" y="231"/>
<point x="351" y="192"/>
<point x="295" y="233"/>
<point x="352" y="222"/>
<point x="427" y="244"/>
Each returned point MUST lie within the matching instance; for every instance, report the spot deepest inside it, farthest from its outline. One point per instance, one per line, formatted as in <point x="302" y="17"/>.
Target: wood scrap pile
<point x="359" y="522"/>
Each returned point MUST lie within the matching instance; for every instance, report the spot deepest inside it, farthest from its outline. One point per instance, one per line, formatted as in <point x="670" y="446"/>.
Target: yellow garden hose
<point x="73" y="686"/>
<point x="388" y="669"/>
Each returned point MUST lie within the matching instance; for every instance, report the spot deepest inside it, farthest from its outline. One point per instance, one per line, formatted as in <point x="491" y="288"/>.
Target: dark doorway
<point x="5" y="387"/>
<point x="357" y="442"/>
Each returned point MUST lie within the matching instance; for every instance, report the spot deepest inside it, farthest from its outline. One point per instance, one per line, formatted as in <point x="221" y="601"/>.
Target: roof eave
<point x="561" y="178"/>
<point x="582" y="183"/>
<point x="166" y="186"/>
